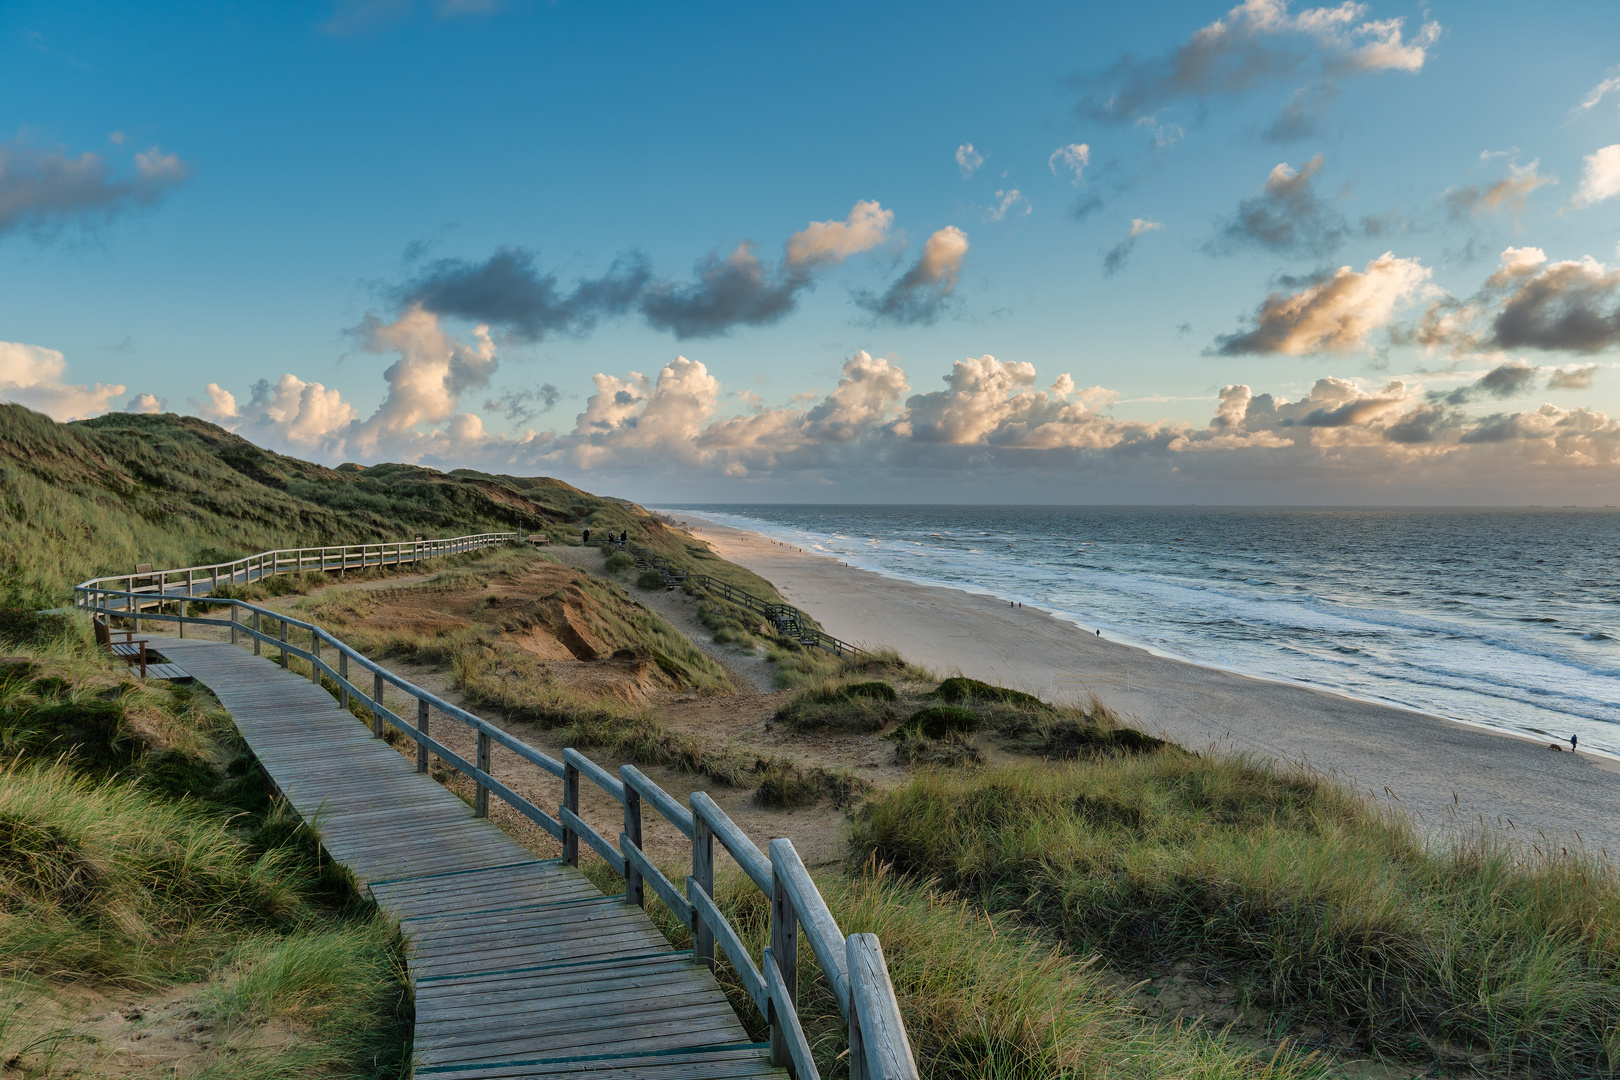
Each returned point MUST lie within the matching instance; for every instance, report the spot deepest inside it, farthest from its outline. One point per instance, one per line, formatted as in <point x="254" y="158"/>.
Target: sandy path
<point x="1440" y="771"/>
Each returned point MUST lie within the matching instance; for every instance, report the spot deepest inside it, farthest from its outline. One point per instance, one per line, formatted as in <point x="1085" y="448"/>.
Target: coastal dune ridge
<point x="1450" y="777"/>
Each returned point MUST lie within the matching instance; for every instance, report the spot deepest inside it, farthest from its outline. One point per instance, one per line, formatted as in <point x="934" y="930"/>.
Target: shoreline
<point x="1445" y="772"/>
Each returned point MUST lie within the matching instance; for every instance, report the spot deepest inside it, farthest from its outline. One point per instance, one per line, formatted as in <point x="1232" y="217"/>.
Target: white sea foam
<point x="1503" y="618"/>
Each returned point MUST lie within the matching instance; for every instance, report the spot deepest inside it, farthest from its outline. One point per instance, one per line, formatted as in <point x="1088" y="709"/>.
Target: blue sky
<point x="316" y="190"/>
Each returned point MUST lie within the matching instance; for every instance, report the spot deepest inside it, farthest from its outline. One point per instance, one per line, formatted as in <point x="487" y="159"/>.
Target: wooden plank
<point x="514" y="957"/>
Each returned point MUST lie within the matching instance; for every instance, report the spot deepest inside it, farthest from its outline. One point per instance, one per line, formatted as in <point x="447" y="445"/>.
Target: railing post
<point x="571" y="802"/>
<point x="315" y="657"/>
<point x="132" y="607"/>
<point x="634" y="891"/>
<point x="281" y="636"/>
<point x="703" y="872"/>
<point x="343" y="679"/>
<point x="422" y="728"/>
<point x="182" y="623"/>
<point x="857" y="1040"/>
<point x="257" y="644"/>
<point x="377" y="696"/>
<point x="785" y="952"/>
<point x="233" y="624"/>
<point x="481" y="799"/>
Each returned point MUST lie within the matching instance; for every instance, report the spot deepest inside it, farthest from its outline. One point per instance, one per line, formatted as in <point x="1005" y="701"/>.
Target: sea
<point x="1508" y="618"/>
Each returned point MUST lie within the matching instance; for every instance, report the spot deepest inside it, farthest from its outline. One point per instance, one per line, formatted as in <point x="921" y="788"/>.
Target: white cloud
<point x="922" y="293"/>
<point x="147" y="403"/>
<point x="968" y="159"/>
<point x="1075" y="157"/>
<point x="1600" y="177"/>
<point x="1010" y="200"/>
<point x="32" y="375"/>
<point x="1143" y="225"/>
<point x="221" y="404"/>
<point x="1601" y="90"/>
<point x="1336" y="314"/>
<point x="822" y="243"/>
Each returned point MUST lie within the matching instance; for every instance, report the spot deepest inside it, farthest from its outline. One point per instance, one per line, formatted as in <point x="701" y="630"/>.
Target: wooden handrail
<point x="853" y="965"/>
<point x="288" y="560"/>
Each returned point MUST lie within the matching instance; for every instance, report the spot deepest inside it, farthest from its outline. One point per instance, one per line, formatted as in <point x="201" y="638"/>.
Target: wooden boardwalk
<point x="522" y="968"/>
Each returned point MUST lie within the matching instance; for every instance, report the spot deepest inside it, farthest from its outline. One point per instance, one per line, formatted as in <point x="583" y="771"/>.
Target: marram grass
<point x="1316" y="905"/>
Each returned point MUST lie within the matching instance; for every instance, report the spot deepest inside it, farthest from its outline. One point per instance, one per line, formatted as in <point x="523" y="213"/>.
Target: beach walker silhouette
<point x="1573" y="742"/>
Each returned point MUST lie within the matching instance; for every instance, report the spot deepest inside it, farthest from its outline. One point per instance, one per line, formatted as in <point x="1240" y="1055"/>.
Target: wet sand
<point x="1445" y="774"/>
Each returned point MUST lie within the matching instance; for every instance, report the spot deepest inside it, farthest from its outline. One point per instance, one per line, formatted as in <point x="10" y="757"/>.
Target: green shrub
<point x="877" y="691"/>
<point x="960" y="689"/>
<point x="649" y="579"/>
<point x="786" y="785"/>
<point x="936" y="720"/>
<point x="26" y="627"/>
<point x="950" y="749"/>
<point x="618" y="561"/>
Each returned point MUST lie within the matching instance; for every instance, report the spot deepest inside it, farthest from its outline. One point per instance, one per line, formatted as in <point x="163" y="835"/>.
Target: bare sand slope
<point x="1442" y="772"/>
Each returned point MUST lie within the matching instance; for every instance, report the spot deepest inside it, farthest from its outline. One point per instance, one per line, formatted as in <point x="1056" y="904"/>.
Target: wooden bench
<point x="126" y="648"/>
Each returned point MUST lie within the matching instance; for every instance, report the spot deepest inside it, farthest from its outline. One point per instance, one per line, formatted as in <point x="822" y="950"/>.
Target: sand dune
<point x="1444" y="773"/>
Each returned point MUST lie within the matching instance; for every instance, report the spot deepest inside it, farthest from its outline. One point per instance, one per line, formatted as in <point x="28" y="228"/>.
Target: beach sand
<point x="1445" y="774"/>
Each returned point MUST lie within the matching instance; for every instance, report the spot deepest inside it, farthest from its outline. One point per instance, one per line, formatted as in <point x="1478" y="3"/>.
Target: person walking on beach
<point x="1573" y="742"/>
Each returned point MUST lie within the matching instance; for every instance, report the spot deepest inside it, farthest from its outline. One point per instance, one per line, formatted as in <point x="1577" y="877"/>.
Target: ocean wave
<point x="1491" y="638"/>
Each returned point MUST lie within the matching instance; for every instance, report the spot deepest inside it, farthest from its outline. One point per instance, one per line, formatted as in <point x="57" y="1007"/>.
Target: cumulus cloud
<point x="507" y="289"/>
<point x="34" y="376"/>
<point x="1259" y="42"/>
<point x="1074" y="158"/>
<point x="990" y="422"/>
<point x="44" y="189"/>
<point x="968" y="159"/>
<point x="825" y="243"/>
<point x="146" y="403"/>
<point x="221" y="404"/>
<point x="1600" y="176"/>
<point x="923" y="292"/>
<point x="1115" y="258"/>
<point x="1573" y="306"/>
<point x="1286" y="217"/>
<point x="1509" y="193"/>
<point x="1567" y="306"/>
<point x="739" y="289"/>
<point x="1337" y="313"/>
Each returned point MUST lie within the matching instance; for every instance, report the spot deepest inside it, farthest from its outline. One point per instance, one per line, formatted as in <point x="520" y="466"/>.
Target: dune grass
<point x="1309" y="902"/>
<point x="98" y="496"/>
<point x="141" y="848"/>
<point x="982" y="999"/>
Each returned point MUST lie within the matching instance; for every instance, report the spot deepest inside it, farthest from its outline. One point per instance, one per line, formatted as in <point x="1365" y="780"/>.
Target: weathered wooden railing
<point x="788" y="619"/>
<point x="145" y="588"/>
<point x="853" y="965"/>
